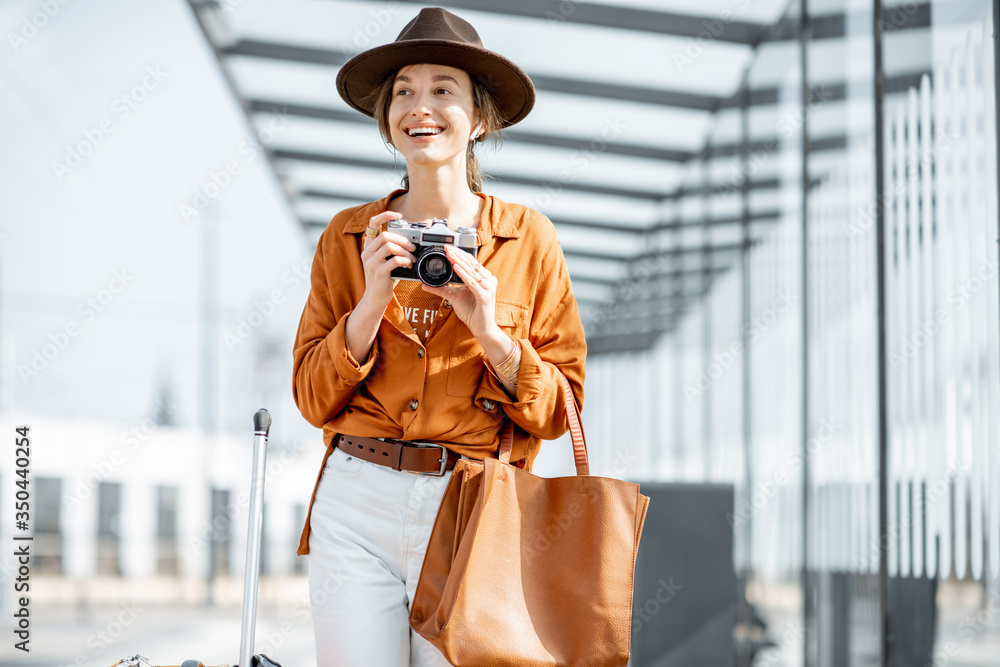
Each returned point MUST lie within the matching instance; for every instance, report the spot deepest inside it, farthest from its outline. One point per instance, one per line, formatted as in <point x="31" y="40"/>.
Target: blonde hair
<point x="489" y="115"/>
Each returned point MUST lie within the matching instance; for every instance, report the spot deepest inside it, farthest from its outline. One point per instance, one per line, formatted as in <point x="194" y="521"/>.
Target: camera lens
<point x="434" y="268"/>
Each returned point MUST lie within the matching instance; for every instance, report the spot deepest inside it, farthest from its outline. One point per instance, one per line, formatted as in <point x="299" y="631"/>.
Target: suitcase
<point x="261" y="428"/>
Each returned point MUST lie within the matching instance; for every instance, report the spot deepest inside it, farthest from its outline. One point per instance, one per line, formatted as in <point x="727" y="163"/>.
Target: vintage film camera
<point x="432" y="266"/>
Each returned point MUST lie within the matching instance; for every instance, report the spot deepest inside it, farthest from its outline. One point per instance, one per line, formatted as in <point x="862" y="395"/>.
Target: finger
<point x="391" y="264"/>
<point x="386" y="245"/>
<point x="399" y="249"/>
<point x="461" y="257"/>
<point x="470" y="278"/>
<point x="382" y="218"/>
<point x="385" y="263"/>
<point x="398" y="238"/>
<point x="378" y="222"/>
<point x="462" y="261"/>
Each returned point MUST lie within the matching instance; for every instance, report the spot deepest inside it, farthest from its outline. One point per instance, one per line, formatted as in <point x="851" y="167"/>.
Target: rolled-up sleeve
<point x="555" y="344"/>
<point x="325" y="374"/>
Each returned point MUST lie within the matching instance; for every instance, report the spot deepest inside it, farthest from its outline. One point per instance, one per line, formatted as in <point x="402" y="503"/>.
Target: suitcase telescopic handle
<point x="261" y="427"/>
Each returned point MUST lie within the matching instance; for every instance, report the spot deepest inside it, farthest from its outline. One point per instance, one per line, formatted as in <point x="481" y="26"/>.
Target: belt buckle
<point x="442" y="462"/>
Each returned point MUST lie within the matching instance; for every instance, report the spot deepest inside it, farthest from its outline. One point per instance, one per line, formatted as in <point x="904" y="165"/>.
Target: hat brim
<point x="511" y="88"/>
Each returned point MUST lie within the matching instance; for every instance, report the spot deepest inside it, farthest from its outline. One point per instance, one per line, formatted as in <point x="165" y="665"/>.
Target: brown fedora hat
<point x="438" y="37"/>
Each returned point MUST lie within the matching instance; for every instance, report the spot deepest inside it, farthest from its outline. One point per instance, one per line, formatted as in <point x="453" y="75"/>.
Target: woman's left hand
<point x="474" y="302"/>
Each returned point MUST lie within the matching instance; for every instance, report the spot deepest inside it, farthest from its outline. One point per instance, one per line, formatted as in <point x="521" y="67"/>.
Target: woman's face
<point x="432" y="114"/>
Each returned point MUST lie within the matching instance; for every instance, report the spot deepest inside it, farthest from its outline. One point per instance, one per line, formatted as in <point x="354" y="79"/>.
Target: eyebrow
<point x="436" y="77"/>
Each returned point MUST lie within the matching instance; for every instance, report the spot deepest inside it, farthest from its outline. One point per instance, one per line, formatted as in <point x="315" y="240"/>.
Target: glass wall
<point x="842" y="371"/>
<point x="940" y="207"/>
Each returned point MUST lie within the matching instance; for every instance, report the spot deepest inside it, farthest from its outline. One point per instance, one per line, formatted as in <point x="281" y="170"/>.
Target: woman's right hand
<point x="381" y="255"/>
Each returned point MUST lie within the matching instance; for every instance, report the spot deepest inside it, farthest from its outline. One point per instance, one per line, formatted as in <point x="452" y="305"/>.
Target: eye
<point x="442" y="90"/>
<point x="402" y="91"/>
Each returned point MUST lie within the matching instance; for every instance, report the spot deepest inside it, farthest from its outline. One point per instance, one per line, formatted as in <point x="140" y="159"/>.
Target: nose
<point x="421" y="106"/>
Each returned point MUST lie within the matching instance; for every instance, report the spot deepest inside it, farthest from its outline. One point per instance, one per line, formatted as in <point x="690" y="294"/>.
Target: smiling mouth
<point x="423" y="131"/>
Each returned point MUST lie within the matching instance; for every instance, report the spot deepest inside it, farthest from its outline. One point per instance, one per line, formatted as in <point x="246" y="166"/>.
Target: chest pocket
<point x="468" y="361"/>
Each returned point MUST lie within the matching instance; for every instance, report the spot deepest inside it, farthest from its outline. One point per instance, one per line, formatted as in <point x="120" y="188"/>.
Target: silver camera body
<point x="432" y="266"/>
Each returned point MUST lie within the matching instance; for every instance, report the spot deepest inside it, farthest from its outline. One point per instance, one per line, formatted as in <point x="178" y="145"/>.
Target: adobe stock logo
<point x="121" y="108"/>
<point x="30" y="25"/>
<point x="88" y="311"/>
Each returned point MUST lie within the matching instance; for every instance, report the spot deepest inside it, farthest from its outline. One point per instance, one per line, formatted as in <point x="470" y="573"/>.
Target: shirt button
<point x="420" y="353"/>
<point x="413" y="404"/>
<point x="447" y="304"/>
<point x="488" y="405"/>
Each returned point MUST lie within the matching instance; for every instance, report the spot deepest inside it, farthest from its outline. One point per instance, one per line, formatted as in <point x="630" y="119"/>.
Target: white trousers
<point x="369" y="531"/>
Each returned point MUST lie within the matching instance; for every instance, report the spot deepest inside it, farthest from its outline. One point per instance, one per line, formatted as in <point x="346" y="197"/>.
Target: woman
<point x="406" y="378"/>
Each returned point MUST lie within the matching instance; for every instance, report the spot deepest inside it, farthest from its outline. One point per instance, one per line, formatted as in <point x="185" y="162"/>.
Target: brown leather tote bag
<point x="525" y="570"/>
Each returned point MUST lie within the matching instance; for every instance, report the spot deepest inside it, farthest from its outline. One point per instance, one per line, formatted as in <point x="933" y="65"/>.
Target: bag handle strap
<point x="575" y="432"/>
<point x="575" y="429"/>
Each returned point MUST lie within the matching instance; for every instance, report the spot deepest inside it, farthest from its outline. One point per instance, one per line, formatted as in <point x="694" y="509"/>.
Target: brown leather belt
<point x="422" y="458"/>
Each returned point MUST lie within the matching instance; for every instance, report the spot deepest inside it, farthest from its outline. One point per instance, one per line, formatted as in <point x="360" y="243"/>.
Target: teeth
<point x="419" y="131"/>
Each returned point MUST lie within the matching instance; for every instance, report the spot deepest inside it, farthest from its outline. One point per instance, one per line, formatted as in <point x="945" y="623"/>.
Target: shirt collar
<point x="495" y="222"/>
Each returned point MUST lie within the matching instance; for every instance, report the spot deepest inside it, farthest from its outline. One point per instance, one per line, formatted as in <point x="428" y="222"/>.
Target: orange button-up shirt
<point x="442" y="391"/>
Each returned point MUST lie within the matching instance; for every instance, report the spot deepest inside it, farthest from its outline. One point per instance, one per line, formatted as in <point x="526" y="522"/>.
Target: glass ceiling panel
<point x="606" y="269"/>
<point x="586" y="290"/>
<point x="765" y="200"/>
<point x="321" y="136"/>
<point x="625" y="242"/>
<point x="297" y="83"/>
<point x="343" y="26"/>
<point x="722" y="171"/>
<point x="773" y="121"/>
<point x="726" y="127"/>
<point x="749" y="11"/>
<point x="627" y="122"/>
<point x="721" y="206"/>
<point x="321" y="210"/>
<point x="578" y="205"/>
<point x="612" y="55"/>
<point x="907" y="51"/>
<point x="556" y="166"/>
<point x="368" y="183"/>
<point x="605" y="242"/>
<point x="827" y="119"/>
<point x="772" y="64"/>
<point x="726" y="234"/>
